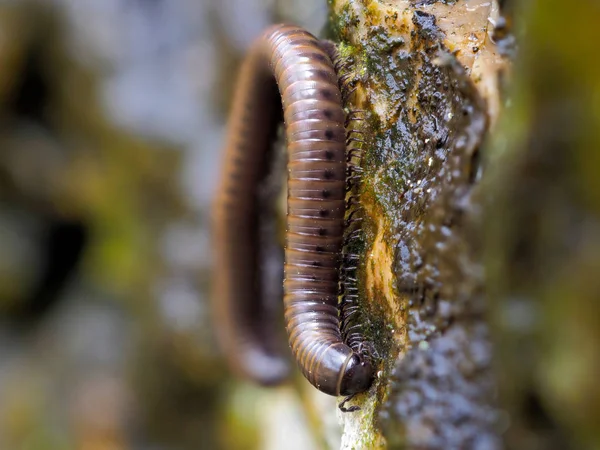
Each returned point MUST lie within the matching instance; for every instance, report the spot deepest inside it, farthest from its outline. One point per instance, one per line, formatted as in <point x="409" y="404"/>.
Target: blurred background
<point x="111" y="123"/>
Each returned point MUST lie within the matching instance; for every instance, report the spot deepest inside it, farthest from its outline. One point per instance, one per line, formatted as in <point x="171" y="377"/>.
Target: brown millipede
<point x="298" y="64"/>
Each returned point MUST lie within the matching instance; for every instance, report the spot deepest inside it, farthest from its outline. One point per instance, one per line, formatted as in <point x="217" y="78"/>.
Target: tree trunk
<point x="479" y="233"/>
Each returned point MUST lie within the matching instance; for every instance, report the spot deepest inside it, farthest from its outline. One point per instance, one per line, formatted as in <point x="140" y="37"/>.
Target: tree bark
<point x="426" y="77"/>
<point x="480" y="227"/>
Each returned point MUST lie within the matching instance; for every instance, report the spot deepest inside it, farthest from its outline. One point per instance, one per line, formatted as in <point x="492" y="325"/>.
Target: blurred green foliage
<point x="544" y="230"/>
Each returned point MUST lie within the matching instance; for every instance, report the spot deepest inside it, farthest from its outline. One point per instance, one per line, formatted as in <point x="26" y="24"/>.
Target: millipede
<point x="287" y="69"/>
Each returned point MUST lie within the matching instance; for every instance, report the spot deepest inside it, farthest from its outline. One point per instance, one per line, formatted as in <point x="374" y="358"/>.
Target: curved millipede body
<point x="293" y="60"/>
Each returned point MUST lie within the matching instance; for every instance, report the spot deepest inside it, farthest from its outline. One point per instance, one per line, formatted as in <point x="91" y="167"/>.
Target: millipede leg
<point x="342" y="405"/>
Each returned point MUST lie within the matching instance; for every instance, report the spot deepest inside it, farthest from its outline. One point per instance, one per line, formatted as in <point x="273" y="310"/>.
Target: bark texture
<point x="426" y="75"/>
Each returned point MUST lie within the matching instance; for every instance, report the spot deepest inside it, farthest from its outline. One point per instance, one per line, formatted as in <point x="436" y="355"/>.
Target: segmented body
<point x="293" y="60"/>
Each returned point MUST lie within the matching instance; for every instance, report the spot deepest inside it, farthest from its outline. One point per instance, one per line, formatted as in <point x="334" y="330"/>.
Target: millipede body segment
<point x="292" y="60"/>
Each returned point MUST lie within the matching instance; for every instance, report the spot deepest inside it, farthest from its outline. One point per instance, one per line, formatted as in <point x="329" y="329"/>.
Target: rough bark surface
<point x="426" y="77"/>
<point x="509" y="359"/>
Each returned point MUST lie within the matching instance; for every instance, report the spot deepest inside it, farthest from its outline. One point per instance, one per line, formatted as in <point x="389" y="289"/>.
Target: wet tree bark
<point x="479" y="233"/>
<point x="426" y="78"/>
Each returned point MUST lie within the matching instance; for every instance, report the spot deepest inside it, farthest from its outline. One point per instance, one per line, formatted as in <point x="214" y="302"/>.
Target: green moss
<point x="344" y="23"/>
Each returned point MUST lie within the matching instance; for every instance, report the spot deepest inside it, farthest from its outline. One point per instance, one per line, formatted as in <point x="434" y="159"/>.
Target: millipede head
<point x="357" y="377"/>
